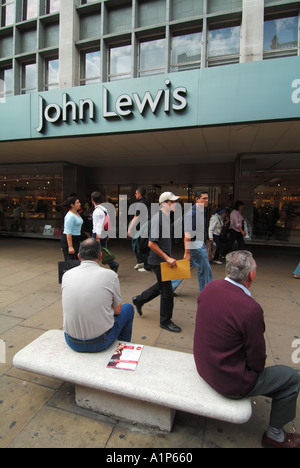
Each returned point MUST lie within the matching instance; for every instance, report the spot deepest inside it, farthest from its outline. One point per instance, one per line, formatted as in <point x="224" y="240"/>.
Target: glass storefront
<point x="31" y="199"/>
<point x="32" y="195"/>
<point x="269" y="185"/>
<point x="218" y="195"/>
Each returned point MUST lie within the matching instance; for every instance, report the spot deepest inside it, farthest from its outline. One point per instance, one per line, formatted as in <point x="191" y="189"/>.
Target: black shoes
<point x="115" y="268"/>
<point x="138" y="305"/>
<point x="171" y="327"/>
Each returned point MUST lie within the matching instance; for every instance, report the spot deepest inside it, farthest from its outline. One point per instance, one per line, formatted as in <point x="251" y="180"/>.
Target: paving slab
<point x="36" y="411"/>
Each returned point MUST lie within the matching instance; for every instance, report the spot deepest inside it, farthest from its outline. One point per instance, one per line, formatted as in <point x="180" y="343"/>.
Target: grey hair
<point x="239" y="264"/>
<point x="89" y="249"/>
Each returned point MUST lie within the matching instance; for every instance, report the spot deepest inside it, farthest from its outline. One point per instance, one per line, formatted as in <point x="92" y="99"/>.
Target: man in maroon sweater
<point x="230" y="351"/>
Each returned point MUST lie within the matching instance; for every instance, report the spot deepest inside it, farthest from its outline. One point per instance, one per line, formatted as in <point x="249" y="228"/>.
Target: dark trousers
<point x="282" y="384"/>
<point x="236" y="237"/>
<point x="165" y="290"/>
<point x="65" y="248"/>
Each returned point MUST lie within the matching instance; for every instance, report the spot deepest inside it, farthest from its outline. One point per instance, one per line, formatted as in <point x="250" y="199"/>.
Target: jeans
<point x="200" y="260"/>
<point x="122" y="330"/>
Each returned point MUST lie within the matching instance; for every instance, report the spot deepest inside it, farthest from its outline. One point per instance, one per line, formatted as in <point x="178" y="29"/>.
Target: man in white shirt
<point x="93" y="314"/>
<point x="98" y="225"/>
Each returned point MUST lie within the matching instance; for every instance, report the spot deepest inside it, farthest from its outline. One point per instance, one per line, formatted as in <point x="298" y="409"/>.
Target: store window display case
<point x="31" y="200"/>
<point x="269" y="185"/>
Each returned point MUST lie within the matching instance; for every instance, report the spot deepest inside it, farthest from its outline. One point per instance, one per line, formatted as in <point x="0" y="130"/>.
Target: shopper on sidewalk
<point x="160" y="243"/>
<point x="98" y="225"/>
<point x="70" y="239"/>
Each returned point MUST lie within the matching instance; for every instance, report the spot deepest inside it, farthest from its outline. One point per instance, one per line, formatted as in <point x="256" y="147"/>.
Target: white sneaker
<point x="217" y="262"/>
<point x="142" y="270"/>
<point x="138" y="265"/>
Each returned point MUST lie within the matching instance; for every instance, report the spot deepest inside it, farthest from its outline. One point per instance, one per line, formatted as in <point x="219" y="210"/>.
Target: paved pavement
<point x="36" y="411"/>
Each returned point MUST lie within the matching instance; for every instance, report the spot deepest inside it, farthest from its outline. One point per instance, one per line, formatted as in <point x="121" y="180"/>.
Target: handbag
<point x="48" y="230"/>
<point x="107" y="256"/>
<point x="65" y="266"/>
<point x="107" y="222"/>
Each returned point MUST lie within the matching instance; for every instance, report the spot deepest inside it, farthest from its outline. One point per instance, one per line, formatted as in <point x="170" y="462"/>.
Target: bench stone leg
<point x="121" y="407"/>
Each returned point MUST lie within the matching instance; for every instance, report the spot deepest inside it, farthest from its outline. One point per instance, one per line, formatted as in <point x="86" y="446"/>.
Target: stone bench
<point x="163" y="382"/>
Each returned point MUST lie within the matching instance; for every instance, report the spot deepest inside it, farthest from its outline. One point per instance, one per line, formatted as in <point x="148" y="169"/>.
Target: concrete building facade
<point x="169" y="94"/>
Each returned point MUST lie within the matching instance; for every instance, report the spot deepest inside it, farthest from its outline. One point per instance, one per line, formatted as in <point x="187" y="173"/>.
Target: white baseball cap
<point x="168" y="196"/>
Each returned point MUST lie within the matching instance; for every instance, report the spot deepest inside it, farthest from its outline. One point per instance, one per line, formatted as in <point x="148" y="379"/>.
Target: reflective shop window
<point x="223" y="45"/>
<point x="152" y="57"/>
<point x="273" y="205"/>
<point x="31" y="199"/>
<point x="52" y="74"/>
<point x="6" y="82"/>
<point x="53" y="6"/>
<point x="29" y="78"/>
<point x="7" y="13"/>
<point x="90" y="67"/>
<point x="120" y="63"/>
<point x="30" y="9"/>
<point x="186" y="51"/>
<point x="281" y="37"/>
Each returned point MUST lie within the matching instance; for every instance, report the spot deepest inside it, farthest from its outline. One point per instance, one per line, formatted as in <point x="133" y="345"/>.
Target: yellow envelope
<point x="182" y="270"/>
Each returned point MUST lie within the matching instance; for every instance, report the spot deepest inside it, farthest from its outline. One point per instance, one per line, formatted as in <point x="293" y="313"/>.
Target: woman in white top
<point x="216" y="224"/>
<point x="70" y="240"/>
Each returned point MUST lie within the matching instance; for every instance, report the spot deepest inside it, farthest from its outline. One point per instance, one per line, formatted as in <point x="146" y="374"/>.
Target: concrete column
<point x="252" y="31"/>
<point x="68" y="35"/>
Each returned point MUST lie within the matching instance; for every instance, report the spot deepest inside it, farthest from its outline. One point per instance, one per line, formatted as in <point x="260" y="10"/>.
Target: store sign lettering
<point x="124" y="106"/>
<point x="296" y="93"/>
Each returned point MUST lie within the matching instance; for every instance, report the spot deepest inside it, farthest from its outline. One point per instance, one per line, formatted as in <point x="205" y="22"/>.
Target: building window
<point x="90" y="67"/>
<point x="28" y="78"/>
<point x="6" y="82"/>
<point x="84" y="2"/>
<point x="51" y="74"/>
<point x="281" y="37"/>
<point x="30" y="9"/>
<point x="119" y="63"/>
<point x="7" y="12"/>
<point x="152" y="57"/>
<point x="186" y="51"/>
<point x="52" y="6"/>
<point x="223" y="45"/>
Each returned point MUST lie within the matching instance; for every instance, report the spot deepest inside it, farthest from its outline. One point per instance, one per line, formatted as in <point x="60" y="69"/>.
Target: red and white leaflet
<point x="126" y="356"/>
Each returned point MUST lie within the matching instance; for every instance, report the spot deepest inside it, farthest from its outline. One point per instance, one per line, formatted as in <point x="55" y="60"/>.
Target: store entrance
<point x="219" y="195"/>
<point x="272" y="187"/>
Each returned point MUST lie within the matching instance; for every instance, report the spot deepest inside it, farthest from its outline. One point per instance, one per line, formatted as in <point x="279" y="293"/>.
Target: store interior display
<point x="31" y="203"/>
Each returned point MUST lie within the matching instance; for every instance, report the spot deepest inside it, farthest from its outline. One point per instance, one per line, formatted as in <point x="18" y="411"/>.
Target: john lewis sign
<point x="167" y="99"/>
<point x="234" y="94"/>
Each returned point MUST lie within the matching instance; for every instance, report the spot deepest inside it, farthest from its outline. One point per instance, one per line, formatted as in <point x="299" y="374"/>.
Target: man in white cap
<point x="160" y="244"/>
